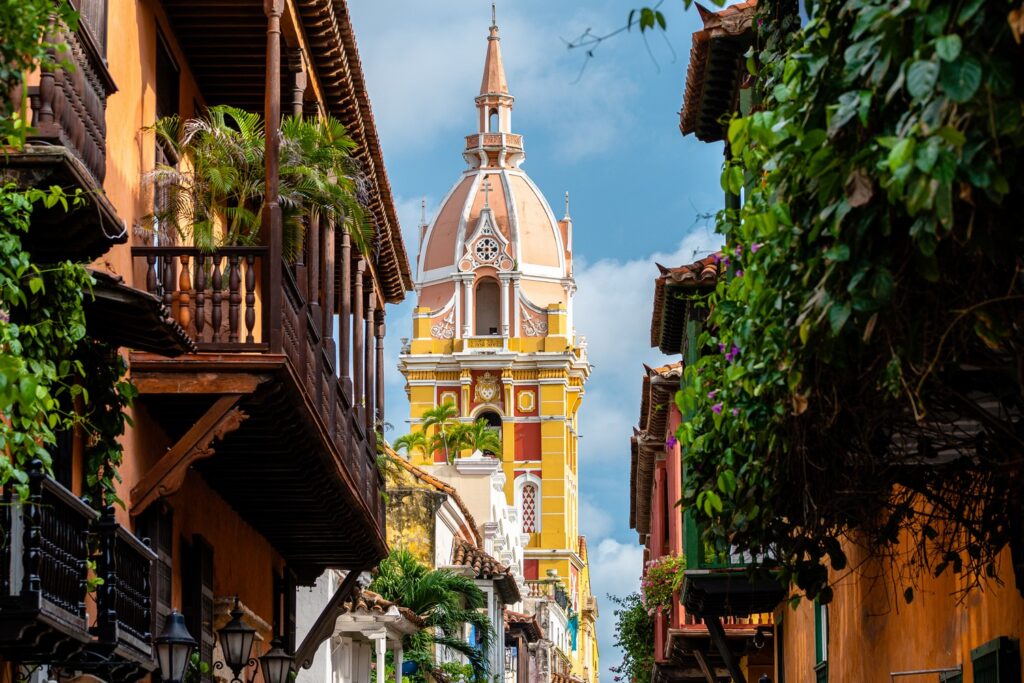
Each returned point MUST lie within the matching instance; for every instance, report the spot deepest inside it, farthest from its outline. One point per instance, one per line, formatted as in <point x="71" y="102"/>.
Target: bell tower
<point x="493" y="335"/>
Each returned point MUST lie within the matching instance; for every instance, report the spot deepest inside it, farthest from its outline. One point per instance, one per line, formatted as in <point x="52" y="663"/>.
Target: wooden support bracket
<point x="714" y="625"/>
<point x="168" y="474"/>
<point x="323" y="627"/>
<point x="703" y="664"/>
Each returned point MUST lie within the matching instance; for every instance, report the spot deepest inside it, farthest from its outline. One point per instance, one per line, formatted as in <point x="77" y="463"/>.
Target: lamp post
<point x="236" y="639"/>
<point x="174" y="648"/>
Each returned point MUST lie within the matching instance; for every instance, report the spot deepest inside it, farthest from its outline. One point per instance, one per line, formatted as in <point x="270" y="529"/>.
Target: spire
<point x="567" y="218"/>
<point x="494" y="71"/>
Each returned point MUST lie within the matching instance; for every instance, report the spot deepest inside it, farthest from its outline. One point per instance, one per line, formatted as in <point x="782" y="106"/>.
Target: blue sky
<point x="638" y="193"/>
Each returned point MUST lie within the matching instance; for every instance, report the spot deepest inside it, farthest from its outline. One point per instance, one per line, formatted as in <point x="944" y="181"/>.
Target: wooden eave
<point x="669" y="314"/>
<point x="713" y="74"/>
<point x="224" y="42"/>
<point x="280" y="469"/>
<point x="133" y="319"/>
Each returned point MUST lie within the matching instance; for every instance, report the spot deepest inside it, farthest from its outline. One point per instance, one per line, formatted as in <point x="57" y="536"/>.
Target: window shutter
<point x="157" y="524"/>
<point x="997" y="661"/>
<point x="197" y="598"/>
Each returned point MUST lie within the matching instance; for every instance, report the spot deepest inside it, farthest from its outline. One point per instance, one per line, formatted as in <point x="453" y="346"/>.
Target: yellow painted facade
<point x="493" y="335"/>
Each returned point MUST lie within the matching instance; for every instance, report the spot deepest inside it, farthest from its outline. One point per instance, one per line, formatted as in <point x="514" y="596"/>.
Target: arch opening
<point x="492" y="121"/>
<point x="488" y="308"/>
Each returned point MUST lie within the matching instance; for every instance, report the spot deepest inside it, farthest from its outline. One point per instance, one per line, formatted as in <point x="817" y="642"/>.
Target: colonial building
<point x="493" y="335"/>
<point x="250" y="461"/>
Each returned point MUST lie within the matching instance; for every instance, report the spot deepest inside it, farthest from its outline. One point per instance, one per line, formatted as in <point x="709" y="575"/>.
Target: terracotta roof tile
<point x="528" y="623"/>
<point x="368" y="602"/>
<point x="667" y="319"/>
<point x="486" y="567"/>
<point x="712" y="76"/>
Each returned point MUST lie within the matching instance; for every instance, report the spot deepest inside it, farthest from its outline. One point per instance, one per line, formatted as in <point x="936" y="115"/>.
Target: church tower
<point x="493" y="335"/>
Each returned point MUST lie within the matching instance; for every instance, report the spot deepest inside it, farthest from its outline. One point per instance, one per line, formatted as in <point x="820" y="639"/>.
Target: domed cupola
<point x="494" y="231"/>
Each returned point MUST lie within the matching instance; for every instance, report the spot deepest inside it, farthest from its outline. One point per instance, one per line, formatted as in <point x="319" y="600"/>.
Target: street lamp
<point x="236" y="638"/>
<point x="174" y="649"/>
<point x="276" y="664"/>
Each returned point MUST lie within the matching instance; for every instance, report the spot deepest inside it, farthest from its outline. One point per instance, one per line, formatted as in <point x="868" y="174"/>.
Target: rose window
<point x="487" y="249"/>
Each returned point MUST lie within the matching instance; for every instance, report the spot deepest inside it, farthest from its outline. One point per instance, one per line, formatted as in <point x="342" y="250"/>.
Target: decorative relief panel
<point x="444" y="329"/>
<point x="534" y="326"/>
<point x="487" y="390"/>
<point x="526" y="401"/>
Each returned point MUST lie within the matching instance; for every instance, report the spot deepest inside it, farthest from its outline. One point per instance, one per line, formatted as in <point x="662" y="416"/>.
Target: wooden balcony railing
<point x="69" y="105"/>
<point x="221" y="301"/>
<point x="49" y="540"/>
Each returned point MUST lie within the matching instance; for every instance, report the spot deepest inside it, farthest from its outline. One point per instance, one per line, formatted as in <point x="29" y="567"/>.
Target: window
<point x="488" y="308"/>
<point x="529" y="508"/>
<point x="997" y="661"/>
<point x="821" y="642"/>
<point x="487" y="249"/>
<point x="93" y="15"/>
<point x="492" y="121"/>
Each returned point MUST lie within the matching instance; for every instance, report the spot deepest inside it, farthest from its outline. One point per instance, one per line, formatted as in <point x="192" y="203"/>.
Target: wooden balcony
<point x="266" y="411"/>
<point x="49" y="540"/>
<point x="66" y="146"/>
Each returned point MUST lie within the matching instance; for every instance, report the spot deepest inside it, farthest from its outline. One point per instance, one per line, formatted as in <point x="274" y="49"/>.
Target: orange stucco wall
<point x="873" y="631"/>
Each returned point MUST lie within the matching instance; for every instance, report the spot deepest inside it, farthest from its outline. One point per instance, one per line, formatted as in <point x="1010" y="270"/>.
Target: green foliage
<point x="873" y="297"/>
<point x="447" y="602"/>
<point x="662" y="578"/>
<point x="53" y="378"/>
<point x="634" y="633"/>
<point x="442" y="432"/>
<point x="216" y="195"/>
<point x="25" y="44"/>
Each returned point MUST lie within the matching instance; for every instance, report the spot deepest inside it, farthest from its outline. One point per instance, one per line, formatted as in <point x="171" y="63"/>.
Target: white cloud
<point x="613" y="311"/>
<point x="422" y="88"/>
<point x="614" y="568"/>
<point x="595" y="522"/>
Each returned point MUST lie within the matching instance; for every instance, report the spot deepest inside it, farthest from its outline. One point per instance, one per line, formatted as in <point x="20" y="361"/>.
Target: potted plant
<point x="215" y="191"/>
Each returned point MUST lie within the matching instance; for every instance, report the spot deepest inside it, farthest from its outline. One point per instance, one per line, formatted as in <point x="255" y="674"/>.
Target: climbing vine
<point x="863" y="359"/>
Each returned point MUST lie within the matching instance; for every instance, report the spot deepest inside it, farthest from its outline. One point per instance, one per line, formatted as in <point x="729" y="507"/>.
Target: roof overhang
<point x="709" y="593"/>
<point x="128" y="317"/>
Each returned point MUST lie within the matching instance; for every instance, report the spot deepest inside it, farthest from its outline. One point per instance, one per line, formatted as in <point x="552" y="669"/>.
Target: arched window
<point x="492" y="121"/>
<point x="493" y="421"/>
<point x="529" y="507"/>
<point x="528" y="502"/>
<point x="488" y="308"/>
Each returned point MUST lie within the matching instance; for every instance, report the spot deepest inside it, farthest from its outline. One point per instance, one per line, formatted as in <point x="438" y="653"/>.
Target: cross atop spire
<point x="494" y="71"/>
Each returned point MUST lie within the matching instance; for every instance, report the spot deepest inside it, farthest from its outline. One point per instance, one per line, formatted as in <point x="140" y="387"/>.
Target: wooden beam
<point x="323" y="627"/>
<point x="703" y="664"/>
<point x="714" y="625"/>
<point x="196" y="383"/>
<point x="167" y="476"/>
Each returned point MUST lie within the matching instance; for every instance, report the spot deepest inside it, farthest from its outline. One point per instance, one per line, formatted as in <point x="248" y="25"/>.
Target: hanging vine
<point x="864" y="361"/>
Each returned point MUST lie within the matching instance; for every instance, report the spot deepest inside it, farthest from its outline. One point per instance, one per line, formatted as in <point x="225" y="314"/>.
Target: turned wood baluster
<point x="200" y="296"/>
<point x="234" y="298"/>
<point x="217" y="296"/>
<point x="184" y="293"/>
<point x="250" y="297"/>
<point x="151" y="281"/>
<point x="32" y="535"/>
<point x="168" y="263"/>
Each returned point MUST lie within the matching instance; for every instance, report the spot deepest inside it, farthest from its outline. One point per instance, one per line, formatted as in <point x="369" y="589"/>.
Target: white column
<point x="381" y="643"/>
<point x="398" y="663"/>
<point x="458" y="311"/>
<point x="515" y="306"/>
<point x="467" y="289"/>
<point x="504" y="306"/>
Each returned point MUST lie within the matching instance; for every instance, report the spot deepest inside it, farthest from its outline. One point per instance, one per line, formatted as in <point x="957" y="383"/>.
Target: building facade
<point x="493" y="335"/>
<point x="249" y="463"/>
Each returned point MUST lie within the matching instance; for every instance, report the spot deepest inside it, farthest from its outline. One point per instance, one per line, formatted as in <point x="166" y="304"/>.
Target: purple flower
<point x="733" y="353"/>
<point x="717" y="408"/>
<point x="726" y="261"/>
<point x="735" y="412"/>
<point x="754" y="247"/>
<point x="739" y="273"/>
<point x="721" y="348"/>
<point x="739" y="250"/>
<point x="671" y="442"/>
<point x="712" y="394"/>
<point x="716" y="258"/>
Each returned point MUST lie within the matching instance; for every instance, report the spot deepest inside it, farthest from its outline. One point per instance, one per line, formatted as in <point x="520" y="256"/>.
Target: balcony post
<point x="298" y="68"/>
<point x="106" y="610"/>
<point x="327" y="296"/>
<point x="371" y="373"/>
<point x="344" y="315"/>
<point x="32" y="538"/>
<point x="379" y="330"/>
<point x="309" y="283"/>
<point x="357" y="333"/>
<point x="272" y="209"/>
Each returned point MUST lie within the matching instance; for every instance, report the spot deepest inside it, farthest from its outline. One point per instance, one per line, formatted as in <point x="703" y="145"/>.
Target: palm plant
<point x="479" y="436"/>
<point x="442" y="420"/>
<point x="411" y="442"/>
<point x="446" y="602"/>
<point x="217" y="195"/>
